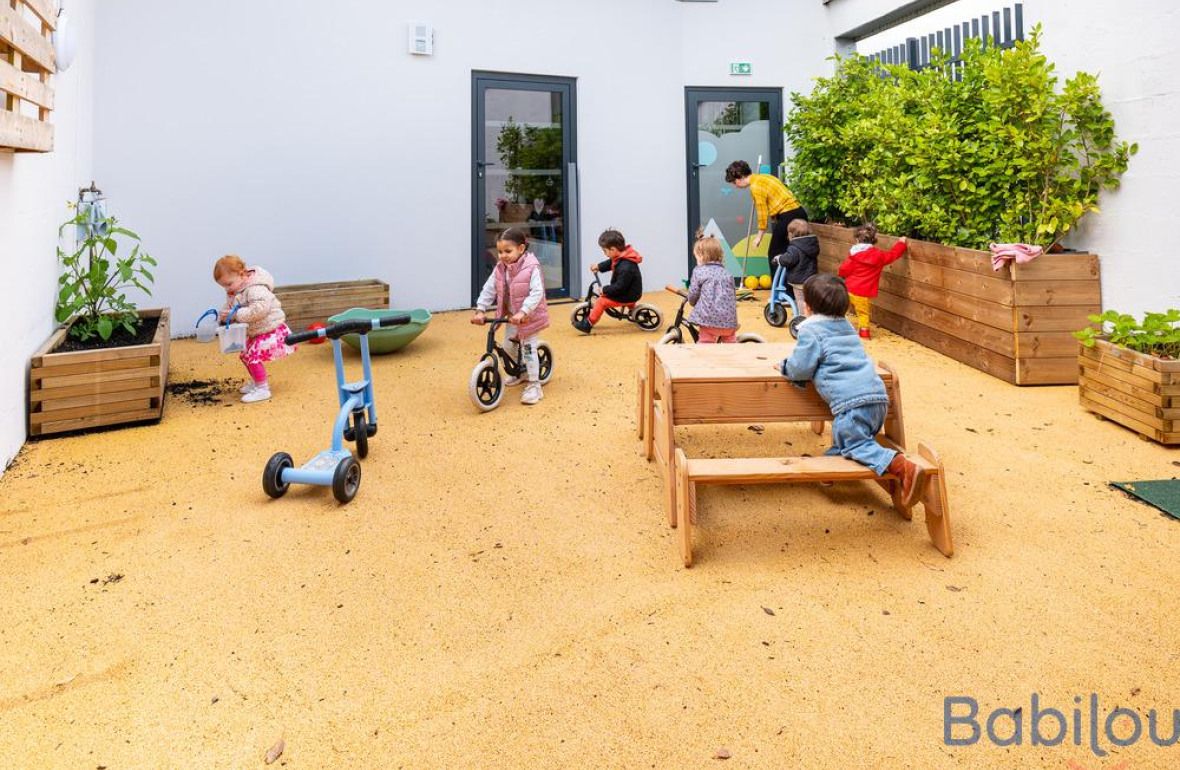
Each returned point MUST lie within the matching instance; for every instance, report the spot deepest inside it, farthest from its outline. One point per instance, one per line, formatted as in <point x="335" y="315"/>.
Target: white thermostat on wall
<point x="421" y="39"/>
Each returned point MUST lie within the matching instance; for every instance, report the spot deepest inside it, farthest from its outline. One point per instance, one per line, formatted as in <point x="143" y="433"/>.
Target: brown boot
<point x="911" y="477"/>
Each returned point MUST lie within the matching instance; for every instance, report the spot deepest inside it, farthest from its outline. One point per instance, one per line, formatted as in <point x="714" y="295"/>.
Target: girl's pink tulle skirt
<point x="269" y="346"/>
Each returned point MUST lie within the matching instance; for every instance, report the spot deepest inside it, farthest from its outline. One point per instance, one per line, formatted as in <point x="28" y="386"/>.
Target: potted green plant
<point x="107" y="363"/>
<point x="958" y="156"/>
<point x="1130" y="372"/>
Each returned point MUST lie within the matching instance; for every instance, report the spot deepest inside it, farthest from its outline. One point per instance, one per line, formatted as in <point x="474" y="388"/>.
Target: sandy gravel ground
<point x="504" y="592"/>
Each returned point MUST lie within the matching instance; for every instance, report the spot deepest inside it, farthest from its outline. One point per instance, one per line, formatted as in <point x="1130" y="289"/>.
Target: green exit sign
<point x="741" y="68"/>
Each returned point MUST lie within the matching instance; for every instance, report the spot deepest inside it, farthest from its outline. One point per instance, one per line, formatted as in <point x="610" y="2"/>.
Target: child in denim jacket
<point x="829" y="353"/>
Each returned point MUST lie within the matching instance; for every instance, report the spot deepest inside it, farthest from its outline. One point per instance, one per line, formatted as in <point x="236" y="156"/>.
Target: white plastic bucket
<point x="232" y="338"/>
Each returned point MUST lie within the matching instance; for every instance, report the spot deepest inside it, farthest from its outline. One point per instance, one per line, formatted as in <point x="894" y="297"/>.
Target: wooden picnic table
<point x="717" y="384"/>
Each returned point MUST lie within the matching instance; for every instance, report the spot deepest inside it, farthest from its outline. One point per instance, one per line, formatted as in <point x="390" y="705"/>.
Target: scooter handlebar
<point x="357" y="326"/>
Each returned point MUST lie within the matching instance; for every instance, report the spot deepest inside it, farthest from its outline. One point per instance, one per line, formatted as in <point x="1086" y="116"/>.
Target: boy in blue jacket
<point x="830" y="354"/>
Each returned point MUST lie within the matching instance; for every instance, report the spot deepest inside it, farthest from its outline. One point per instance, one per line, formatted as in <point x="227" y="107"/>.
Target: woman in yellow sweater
<point x="773" y="202"/>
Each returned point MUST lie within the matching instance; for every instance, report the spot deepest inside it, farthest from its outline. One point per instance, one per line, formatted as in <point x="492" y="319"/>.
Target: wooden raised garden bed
<point x="1135" y="390"/>
<point x="310" y="303"/>
<point x="1015" y="324"/>
<point x="95" y="388"/>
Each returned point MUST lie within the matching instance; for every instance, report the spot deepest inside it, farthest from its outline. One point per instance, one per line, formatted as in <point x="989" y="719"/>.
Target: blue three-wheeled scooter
<point x="356" y="420"/>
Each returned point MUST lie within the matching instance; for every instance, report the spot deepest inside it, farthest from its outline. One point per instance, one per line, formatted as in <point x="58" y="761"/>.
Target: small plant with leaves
<point x="93" y="284"/>
<point x="1158" y="335"/>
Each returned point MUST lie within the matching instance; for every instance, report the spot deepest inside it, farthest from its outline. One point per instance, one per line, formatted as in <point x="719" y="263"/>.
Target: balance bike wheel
<point x="775" y="314"/>
<point x="360" y="429"/>
<point x="647" y="317"/>
<point x="545" y="361"/>
<point x="793" y="327"/>
<point x="580" y="313"/>
<point x="346" y="480"/>
<point x="750" y="337"/>
<point x="485" y="387"/>
<point x="272" y="475"/>
<point x="673" y="337"/>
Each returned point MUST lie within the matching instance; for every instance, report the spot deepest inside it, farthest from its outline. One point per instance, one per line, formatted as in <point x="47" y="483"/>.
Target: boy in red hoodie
<point x="626" y="282"/>
<point x="861" y="271"/>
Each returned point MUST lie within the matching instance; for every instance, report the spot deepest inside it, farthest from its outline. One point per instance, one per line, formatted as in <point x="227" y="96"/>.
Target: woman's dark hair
<point x="515" y="235"/>
<point x="866" y="233"/>
<point x="612" y="239"/>
<point x="826" y="295"/>
<point x="739" y="169"/>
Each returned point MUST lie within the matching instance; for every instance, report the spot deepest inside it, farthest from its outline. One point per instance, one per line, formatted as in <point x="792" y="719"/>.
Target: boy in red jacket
<point x="861" y="271"/>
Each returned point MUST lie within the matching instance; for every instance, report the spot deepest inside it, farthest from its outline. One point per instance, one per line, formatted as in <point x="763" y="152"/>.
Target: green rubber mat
<point x="1163" y="494"/>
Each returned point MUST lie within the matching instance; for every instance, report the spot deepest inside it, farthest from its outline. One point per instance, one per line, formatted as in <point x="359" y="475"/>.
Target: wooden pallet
<point x="95" y="388"/>
<point x="27" y="62"/>
<point x="310" y="303"/>
<point x="1015" y="323"/>
<point x="1137" y="391"/>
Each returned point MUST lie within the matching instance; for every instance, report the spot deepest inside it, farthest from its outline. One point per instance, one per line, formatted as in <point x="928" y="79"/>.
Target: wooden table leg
<point x="649" y="371"/>
<point x="665" y="433"/>
<point x="683" y="514"/>
<point x="934" y="500"/>
<point x="641" y="409"/>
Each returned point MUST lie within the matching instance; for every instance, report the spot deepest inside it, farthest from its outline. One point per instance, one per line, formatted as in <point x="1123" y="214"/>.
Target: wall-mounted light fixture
<point x="65" y="41"/>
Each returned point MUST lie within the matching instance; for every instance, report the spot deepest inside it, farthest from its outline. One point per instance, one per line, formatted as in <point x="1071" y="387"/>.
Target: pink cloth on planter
<point x="1003" y="253"/>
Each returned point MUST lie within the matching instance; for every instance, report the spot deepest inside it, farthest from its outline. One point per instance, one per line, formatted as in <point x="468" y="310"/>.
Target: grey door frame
<point x="693" y="96"/>
<point x="481" y="81"/>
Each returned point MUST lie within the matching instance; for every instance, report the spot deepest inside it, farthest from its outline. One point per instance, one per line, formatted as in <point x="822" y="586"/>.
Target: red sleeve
<point x="845" y="268"/>
<point x="893" y="254"/>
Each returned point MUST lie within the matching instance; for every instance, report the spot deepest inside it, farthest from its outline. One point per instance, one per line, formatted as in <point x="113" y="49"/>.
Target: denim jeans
<point x="854" y="436"/>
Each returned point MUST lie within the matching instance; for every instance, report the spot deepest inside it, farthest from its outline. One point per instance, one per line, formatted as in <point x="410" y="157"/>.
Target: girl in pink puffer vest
<point x="251" y="291"/>
<point x="516" y="288"/>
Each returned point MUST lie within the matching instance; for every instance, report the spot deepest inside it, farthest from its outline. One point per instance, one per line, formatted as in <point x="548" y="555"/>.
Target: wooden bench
<point x="791" y="470"/>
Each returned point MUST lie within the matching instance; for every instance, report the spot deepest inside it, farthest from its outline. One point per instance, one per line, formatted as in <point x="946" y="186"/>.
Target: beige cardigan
<point x="260" y="309"/>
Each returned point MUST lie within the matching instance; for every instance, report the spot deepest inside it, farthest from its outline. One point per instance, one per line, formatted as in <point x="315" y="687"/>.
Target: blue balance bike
<point x="782" y="301"/>
<point x="356" y="420"/>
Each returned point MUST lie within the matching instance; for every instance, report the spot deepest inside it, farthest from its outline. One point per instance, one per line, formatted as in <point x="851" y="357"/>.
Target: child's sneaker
<point x="260" y="393"/>
<point x="864" y="334"/>
<point x="512" y="382"/>
<point x="911" y="477"/>
<point x="532" y="393"/>
<point x="247" y="388"/>
<point x="584" y="326"/>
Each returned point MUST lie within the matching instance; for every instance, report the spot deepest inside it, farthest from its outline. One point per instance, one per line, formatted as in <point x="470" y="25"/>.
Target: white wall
<point x="315" y="145"/>
<point x="34" y="190"/>
<point x="1132" y="49"/>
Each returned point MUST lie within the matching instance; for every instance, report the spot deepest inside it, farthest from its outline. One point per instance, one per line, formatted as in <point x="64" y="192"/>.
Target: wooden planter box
<point x="1136" y="390"/>
<point x="309" y="303"/>
<point x="1015" y="324"/>
<point x="94" y="388"/>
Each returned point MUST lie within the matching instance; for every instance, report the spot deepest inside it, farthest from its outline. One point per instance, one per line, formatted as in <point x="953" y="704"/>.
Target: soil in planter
<point x="120" y="339"/>
<point x="200" y="392"/>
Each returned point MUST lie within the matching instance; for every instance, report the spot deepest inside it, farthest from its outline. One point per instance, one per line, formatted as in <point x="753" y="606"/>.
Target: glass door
<point x="524" y="160"/>
<point x="724" y="125"/>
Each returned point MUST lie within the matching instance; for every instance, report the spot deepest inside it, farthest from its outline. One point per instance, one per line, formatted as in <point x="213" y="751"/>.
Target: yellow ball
<point x="765" y="282"/>
<point x="751" y="282"/>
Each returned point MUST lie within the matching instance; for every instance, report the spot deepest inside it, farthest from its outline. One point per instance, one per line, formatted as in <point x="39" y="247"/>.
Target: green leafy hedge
<point x="996" y="154"/>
